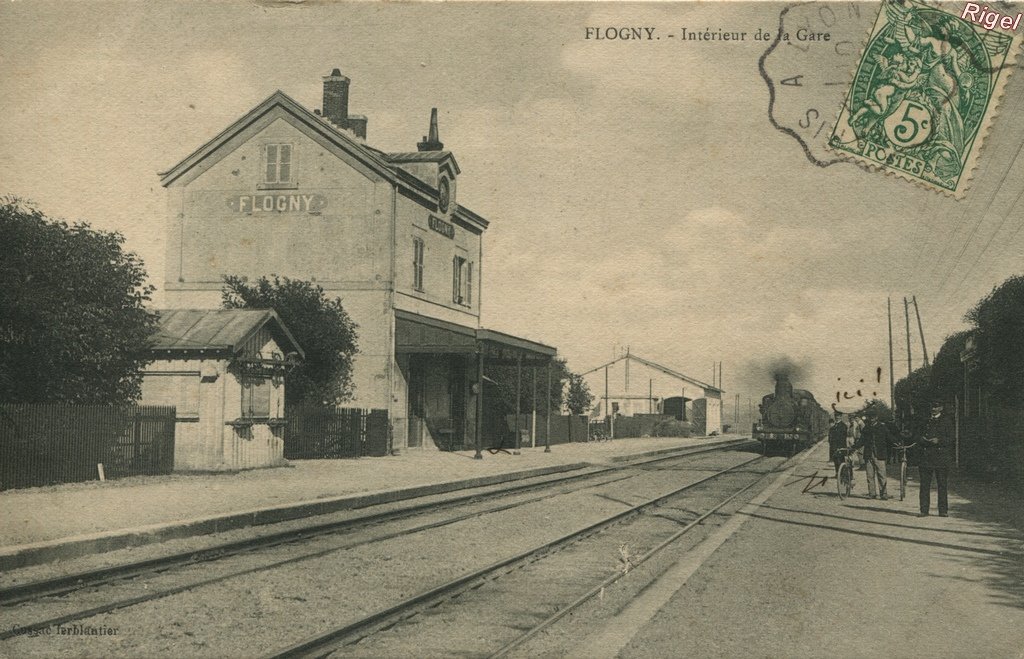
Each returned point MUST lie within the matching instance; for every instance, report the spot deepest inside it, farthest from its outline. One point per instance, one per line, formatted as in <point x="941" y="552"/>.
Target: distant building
<point x="300" y="194"/>
<point x="632" y="385"/>
<point x="223" y="370"/>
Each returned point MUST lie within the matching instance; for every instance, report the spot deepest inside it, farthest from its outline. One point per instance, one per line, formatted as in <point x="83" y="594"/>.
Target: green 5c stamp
<point x="924" y="93"/>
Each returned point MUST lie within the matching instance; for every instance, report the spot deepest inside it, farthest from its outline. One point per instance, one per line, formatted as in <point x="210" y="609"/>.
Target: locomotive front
<point x="785" y="418"/>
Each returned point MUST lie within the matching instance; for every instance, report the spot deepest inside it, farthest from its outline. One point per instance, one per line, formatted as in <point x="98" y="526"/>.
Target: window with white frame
<point x="469" y="284"/>
<point x="417" y="263"/>
<point x="278" y="163"/>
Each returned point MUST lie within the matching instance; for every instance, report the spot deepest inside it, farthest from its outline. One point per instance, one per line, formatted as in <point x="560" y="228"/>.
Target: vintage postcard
<point x="531" y="329"/>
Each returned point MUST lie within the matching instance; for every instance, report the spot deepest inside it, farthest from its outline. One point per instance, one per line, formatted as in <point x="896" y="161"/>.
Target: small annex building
<point x="224" y="371"/>
<point x="631" y="385"/>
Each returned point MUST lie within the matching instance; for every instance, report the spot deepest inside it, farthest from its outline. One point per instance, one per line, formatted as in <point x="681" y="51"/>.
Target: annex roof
<point x="658" y="367"/>
<point x="223" y="331"/>
<point x="374" y="159"/>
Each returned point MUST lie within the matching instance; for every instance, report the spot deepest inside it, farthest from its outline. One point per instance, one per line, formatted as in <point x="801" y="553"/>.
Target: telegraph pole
<point x="920" y="330"/>
<point x="892" y="381"/>
<point x="906" y="317"/>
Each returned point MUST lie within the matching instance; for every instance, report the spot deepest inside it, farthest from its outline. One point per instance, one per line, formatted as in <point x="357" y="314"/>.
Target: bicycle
<point x="844" y="475"/>
<point x="903" y="467"/>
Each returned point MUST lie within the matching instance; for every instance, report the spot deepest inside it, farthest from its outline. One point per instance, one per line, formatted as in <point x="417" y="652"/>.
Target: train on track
<point x="791" y="419"/>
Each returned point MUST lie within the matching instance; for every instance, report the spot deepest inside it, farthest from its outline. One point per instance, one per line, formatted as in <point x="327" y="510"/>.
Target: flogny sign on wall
<point x="278" y="203"/>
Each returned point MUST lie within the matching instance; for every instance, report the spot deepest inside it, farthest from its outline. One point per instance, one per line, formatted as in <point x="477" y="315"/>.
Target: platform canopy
<point x="415" y="333"/>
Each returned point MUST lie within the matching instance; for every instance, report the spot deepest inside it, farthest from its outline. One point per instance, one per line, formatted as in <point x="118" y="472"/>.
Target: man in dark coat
<point x="837" y="440"/>
<point x="875" y="439"/>
<point x="934" y="459"/>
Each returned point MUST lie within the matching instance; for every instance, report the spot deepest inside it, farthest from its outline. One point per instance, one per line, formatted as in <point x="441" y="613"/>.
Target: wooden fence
<point x="324" y="433"/>
<point x="54" y="443"/>
<point x="564" y="429"/>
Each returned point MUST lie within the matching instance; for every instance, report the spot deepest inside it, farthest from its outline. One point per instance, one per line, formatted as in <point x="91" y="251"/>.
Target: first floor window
<point x="469" y="284"/>
<point x="458" y="280"/>
<point x="417" y="263"/>
<point x="256" y="398"/>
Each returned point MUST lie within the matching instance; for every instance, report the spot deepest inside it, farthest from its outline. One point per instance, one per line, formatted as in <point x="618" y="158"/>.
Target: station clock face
<point x="444" y="195"/>
<point x="808" y="74"/>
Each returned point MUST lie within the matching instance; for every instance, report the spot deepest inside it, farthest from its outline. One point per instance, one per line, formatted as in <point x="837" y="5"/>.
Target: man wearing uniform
<point x="874" y="437"/>
<point x="934" y="460"/>
<point x="836" y="440"/>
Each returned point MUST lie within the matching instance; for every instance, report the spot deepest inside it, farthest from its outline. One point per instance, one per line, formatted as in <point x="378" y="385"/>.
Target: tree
<point x="913" y="398"/>
<point x="504" y="378"/>
<point x="321" y="326"/>
<point x="73" y="322"/>
<point x="947" y="379"/>
<point x="578" y="398"/>
<point x="999" y="339"/>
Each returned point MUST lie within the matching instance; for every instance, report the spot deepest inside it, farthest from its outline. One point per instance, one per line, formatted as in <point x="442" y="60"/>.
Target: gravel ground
<point x="75" y="509"/>
<point x="242" y="617"/>
<point x="483" y="619"/>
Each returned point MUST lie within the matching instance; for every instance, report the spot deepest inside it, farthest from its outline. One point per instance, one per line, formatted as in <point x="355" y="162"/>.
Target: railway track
<point x="133" y="576"/>
<point x="507" y="603"/>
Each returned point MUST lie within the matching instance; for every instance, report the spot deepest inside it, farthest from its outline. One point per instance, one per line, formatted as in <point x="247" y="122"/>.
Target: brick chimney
<point x="431" y="142"/>
<point x="335" y="107"/>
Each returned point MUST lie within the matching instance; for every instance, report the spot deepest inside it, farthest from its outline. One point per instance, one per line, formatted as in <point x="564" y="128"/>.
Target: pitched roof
<point x="658" y="367"/>
<point x="218" y="330"/>
<point x="424" y="156"/>
<point x="375" y="160"/>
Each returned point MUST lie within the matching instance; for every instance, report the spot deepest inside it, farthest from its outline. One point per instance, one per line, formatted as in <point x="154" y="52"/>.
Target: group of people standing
<point x="866" y="433"/>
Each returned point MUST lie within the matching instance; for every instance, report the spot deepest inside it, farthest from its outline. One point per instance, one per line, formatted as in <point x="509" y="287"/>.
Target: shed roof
<point x="218" y="330"/>
<point x="658" y="367"/>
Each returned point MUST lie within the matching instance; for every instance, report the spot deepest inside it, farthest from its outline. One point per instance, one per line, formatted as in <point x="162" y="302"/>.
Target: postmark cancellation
<point x="925" y="91"/>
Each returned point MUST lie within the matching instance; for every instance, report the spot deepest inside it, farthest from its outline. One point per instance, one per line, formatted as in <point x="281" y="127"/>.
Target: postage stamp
<point x="925" y="91"/>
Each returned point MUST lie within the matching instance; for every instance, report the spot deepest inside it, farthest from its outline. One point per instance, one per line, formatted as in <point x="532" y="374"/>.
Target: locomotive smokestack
<point x="783" y="387"/>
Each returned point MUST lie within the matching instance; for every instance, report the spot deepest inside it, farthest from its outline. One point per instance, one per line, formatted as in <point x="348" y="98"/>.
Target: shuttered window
<point x="417" y="264"/>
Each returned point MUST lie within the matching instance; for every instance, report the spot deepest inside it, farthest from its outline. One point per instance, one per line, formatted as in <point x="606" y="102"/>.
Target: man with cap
<point x="934" y="459"/>
<point x="874" y="437"/>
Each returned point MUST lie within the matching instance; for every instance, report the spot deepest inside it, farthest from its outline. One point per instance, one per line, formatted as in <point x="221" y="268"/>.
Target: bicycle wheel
<point x="844" y="480"/>
<point x="903" y="481"/>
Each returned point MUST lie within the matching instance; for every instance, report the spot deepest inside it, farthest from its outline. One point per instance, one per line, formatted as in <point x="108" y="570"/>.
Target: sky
<point x="638" y="192"/>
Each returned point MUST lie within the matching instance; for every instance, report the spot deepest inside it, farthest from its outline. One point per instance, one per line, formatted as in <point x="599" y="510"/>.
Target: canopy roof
<point x="415" y="333"/>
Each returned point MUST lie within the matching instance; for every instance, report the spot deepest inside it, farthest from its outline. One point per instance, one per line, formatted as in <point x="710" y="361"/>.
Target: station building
<point x="300" y="194"/>
<point x="631" y="385"/>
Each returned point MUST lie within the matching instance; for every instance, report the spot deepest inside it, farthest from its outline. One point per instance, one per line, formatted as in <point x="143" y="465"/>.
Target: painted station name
<point x="442" y="227"/>
<point x="988" y="19"/>
<point x="278" y="203"/>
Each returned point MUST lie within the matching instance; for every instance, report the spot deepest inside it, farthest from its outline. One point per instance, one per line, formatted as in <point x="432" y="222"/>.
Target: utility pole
<point x="906" y="317"/>
<point x="607" y="412"/>
<point x="892" y="382"/>
<point x="920" y="330"/>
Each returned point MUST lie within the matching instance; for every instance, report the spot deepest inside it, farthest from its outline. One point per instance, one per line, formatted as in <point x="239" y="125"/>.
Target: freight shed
<point x="633" y="385"/>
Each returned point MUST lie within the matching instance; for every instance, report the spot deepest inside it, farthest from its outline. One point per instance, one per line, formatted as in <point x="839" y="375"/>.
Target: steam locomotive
<point x="791" y="419"/>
